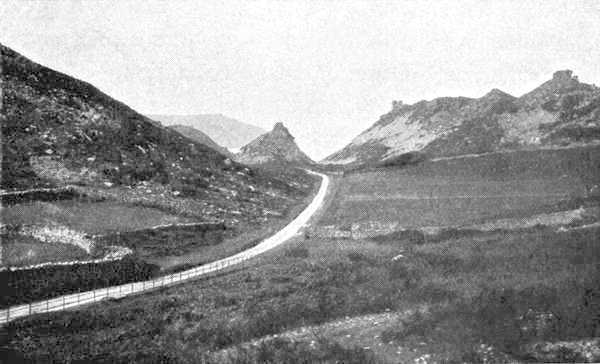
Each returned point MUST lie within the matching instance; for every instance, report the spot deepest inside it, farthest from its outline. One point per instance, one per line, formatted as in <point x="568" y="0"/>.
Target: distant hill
<point x="560" y="112"/>
<point x="200" y="137"/>
<point x="57" y="131"/>
<point x="277" y="146"/>
<point x="225" y="131"/>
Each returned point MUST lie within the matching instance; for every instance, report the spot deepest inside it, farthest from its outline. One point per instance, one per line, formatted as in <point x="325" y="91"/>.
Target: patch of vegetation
<point x="508" y="319"/>
<point x="20" y="250"/>
<point x="282" y="350"/>
<point x="24" y="286"/>
<point x="297" y="252"/>
<point x="403" y="160"/>
<point x="154" y="244"/>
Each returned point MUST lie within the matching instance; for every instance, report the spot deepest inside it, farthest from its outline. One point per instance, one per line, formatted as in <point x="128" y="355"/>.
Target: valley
<point x="452" y="230"/>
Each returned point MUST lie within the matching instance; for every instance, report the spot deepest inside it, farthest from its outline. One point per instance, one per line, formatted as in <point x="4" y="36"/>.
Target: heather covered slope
<point x="560" y="112"/>
<point x="200" y="137"/>
<point x="275" y="147"/>
<point x="58" y="130"/>
<point x="230" y="133"/>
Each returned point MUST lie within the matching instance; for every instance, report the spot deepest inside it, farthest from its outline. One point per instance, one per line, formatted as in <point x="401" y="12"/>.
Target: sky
<point x="326" y="69"/>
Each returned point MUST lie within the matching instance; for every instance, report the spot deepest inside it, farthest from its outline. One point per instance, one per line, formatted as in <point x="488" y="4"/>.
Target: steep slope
<point x="562" y="111"/>
<point x="225" y="131"/>
<point x="276" y="146"/>
<point x="57" y="130"/>
<point x="198" y="136"/>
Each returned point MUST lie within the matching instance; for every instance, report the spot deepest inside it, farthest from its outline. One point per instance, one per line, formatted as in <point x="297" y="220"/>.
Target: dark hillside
<point x="57" y="131"/>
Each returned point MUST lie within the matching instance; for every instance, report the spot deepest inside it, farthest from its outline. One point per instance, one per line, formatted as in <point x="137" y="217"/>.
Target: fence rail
<point x="76" y="299"/>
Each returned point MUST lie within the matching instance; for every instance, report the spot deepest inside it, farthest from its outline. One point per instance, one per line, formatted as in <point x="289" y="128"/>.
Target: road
<point x="73" y="300"/>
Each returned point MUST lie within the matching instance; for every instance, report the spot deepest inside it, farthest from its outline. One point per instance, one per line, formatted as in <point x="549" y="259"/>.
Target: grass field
<point x="458" y="192"/>
<point x="475" y="292"/>
<point x="92" y="218"/>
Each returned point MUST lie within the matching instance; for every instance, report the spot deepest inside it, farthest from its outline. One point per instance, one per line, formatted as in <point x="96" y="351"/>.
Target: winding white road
<point x="72" y="300"/>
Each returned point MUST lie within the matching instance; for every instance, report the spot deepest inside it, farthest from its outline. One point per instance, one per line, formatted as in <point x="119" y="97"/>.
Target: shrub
<point x="358" y="257"/>
<point x="297" y="252"/>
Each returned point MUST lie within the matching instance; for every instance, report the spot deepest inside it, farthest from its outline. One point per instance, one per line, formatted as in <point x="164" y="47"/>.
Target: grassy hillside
<point x="468" y="190"/>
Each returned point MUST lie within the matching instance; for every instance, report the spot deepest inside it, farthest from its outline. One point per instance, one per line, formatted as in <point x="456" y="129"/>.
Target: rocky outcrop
<point x="560" y="112"/>
<point x="276" y="146"/>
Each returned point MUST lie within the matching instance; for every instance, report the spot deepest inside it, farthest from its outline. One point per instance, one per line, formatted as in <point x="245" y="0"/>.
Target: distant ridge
<point x="200" y="137"/>
<point x="225" y="131"/>
<point x="560" y="112"/>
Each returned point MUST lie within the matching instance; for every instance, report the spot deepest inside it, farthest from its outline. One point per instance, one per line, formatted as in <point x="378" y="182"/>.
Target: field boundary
<point x="81" y="298"/>
<point x="40" y="194"/>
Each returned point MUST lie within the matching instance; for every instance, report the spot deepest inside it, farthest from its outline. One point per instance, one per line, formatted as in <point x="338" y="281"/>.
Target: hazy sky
<point x="327" y="69"/>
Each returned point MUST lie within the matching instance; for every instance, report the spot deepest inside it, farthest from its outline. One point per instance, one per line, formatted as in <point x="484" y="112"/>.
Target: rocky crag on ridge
<point x="560" y="112"/>
<point x="275" y="147"/>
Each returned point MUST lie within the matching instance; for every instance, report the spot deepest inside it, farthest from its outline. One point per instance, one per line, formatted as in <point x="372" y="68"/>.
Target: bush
<point x="297" y="252"/>
<point x="405" y="159"/>
<point x="358" y="257"/>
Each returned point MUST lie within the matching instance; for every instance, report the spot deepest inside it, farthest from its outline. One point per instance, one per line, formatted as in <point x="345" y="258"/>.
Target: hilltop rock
<point x="562" y="83"/>
<point x="276" y="146"/>
<point x="560" y="112"/>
